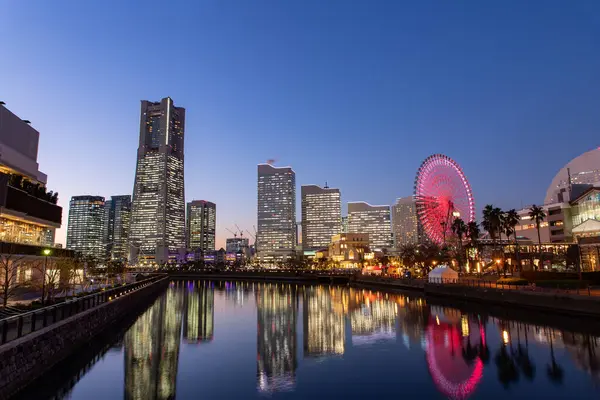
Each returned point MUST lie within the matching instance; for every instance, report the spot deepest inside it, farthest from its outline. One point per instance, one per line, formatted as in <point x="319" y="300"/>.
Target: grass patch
<point x="513" y="281"/>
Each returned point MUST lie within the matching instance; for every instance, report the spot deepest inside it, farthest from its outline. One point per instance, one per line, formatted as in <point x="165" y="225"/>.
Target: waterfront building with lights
<point x="157" y="231"/>
<point x="201" y="225"/>
<point x="29" y="214"/>
<point x="84" y="228"/>
<point x="276" y="214"/>
<point x="117" y="217"/>
<point x="373" y="220"/>
<point x="321" y="216"/>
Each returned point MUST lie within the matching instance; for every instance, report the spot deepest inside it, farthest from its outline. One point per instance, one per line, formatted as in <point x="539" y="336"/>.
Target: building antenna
<point x="326" y="186"/>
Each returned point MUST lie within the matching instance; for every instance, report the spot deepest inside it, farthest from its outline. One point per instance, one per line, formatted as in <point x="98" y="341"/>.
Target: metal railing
<point x="481" y="283"/>
<point x="17" y="326"/>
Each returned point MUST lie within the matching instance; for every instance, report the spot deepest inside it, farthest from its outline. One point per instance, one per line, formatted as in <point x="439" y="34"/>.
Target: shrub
<point x="513" y="281"/>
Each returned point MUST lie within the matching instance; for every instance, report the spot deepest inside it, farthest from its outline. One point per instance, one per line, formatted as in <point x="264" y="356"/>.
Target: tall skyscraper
<point x="201" y="225"/>
<point x="321" y="216"/>
<point x="117" y="217"/>
<point x="374" y="220"/>
<point x="405" y="223"/>
<point x="276" y="235"/>
<point x="84" y="229"/>
<point x="158" y="207"/>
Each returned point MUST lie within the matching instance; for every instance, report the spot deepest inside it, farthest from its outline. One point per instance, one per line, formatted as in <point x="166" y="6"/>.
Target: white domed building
<point x="578" y="174"/>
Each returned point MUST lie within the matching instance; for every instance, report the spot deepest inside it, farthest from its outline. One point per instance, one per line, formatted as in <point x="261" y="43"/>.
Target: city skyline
<point x="349" y="89"/>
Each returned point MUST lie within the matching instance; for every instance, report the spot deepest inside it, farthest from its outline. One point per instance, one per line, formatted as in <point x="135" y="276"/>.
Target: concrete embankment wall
<point x="556" y="303"/>
<point x="572" y="305"/>
<point x="25" y="359"/>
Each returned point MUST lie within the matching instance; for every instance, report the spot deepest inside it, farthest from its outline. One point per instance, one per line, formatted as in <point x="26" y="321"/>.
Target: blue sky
<point x="355" y="93"/>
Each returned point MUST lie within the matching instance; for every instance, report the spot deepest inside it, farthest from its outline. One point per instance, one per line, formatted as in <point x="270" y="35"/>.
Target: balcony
<point x="18" y="200"/>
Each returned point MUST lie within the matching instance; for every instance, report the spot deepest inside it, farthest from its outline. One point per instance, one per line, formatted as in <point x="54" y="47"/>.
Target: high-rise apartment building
<point x="276" y="235"/>
<point x="158" y="208"/>
<point x="117" y="217"/>
<point x="374" y="220"/>
<point x="321" y="216"/>
<point x="201" y="225"/>
<point x="84" y="229"/>
<point x="405" y="222"/>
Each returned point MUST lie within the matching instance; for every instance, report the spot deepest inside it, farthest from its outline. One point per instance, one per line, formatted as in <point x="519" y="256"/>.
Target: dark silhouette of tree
<point x="460" y="230"/>
<point x="511" y="220"/>
<point x="538" y="215"/>
<point x="470" y="352"/>
<point x="554" y="371"/>
<point x="508" y="372"/>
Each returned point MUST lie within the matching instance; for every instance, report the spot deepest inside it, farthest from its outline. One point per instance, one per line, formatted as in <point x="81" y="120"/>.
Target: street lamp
<point x="498" y="261"/>
<point x="46" y="253"/>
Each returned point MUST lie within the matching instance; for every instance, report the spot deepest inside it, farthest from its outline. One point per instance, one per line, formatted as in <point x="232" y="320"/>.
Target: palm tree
<point x="473" y="234"/>
<point x="460" y="229"/>
<point x="537" y="214"/>
<point x="554" y="371"/>
<point x="511" y="220"/>
<point x="492" y="222"/>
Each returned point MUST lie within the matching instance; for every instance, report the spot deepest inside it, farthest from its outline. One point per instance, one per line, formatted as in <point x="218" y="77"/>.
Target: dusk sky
<point x="355" y="93"/>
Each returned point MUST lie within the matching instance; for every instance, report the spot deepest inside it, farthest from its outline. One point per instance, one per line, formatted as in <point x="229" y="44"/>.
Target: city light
<point x="505" y="337"/>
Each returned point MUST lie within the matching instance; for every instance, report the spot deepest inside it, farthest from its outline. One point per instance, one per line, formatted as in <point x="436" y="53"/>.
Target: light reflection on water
<point x="197" y="340"/>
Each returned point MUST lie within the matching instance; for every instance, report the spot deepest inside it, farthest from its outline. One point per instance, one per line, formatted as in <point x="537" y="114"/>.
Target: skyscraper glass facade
<point x="158" y="207"/>
<point x="374" y="220"/>
<point x="201" y="225"/>
<point x="321" y="216"/>
<point x="84" y="229"/>
<point x="276" y="235"/>
<point x="405" y="222"/>
<point x="117" y="217"/>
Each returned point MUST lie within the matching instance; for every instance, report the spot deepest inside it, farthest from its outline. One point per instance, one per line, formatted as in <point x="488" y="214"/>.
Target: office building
<point x="201" y="225"/>
<point x="321" y="216"/>
<point x="276" y="235"/>
<point x="29" y="214"/>
<point x="373" y="220"/>
<point x="405" y="222"/>
<point x="84" y="229"/>
<point x="157" y="231"/>
<point x="117" y="217"/>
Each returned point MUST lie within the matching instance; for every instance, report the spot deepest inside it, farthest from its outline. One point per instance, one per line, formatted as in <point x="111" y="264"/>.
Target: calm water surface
<point x="225" y="340"/>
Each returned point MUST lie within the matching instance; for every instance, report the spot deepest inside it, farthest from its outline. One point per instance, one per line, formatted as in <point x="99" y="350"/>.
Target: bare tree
<point x="49" y="281"/>
<point x="9" y="273"/>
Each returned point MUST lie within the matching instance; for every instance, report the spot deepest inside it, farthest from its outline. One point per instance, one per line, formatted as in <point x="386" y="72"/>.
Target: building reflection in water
<point x="199" y="306"/>
<point x="372" y="317"/>
<point x="324" y="321"/>
<point x="152" y="349"/>
<point x="276" y="330"/>
<point x="237" y="292"/>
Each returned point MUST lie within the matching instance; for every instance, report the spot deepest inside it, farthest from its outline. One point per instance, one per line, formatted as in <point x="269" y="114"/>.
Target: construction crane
<point x="234" y="234"/>
<point x="239" y="230"/>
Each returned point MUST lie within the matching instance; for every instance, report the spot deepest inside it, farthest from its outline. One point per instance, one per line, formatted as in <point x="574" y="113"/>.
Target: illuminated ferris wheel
<point x="442" y="193"/>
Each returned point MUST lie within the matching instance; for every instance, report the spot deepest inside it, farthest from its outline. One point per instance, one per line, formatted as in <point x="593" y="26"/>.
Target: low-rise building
<point x="349" y="249"/>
